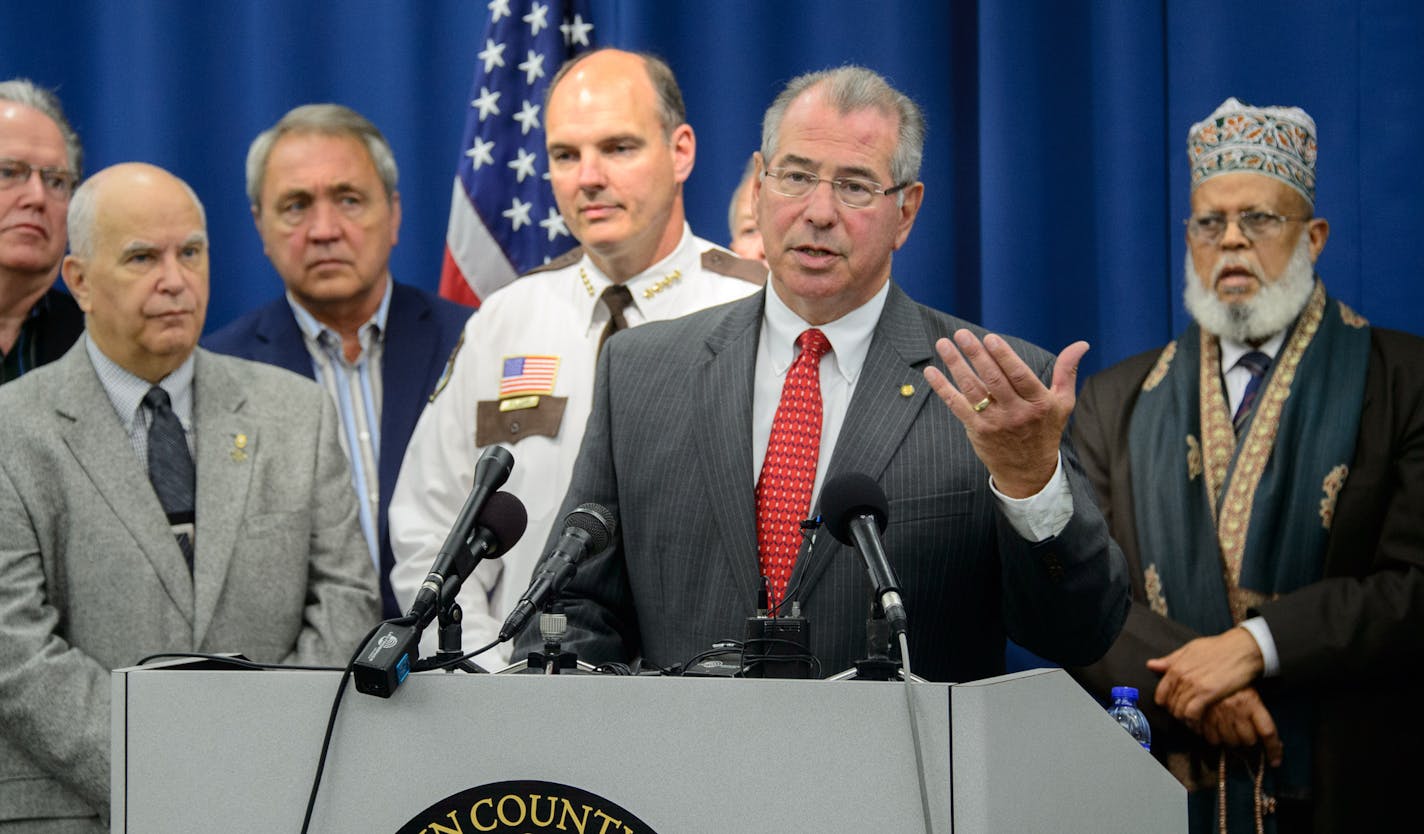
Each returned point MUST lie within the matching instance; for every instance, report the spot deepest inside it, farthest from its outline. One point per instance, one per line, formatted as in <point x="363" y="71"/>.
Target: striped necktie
<point x="1257" y="363"/>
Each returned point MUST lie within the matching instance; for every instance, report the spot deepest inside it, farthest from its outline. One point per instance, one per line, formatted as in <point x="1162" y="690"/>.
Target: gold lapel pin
<point x="907" y="390"/>
<point x="239" y="447"/>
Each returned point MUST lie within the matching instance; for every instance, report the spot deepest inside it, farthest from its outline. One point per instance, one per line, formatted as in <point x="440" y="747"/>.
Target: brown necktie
<point x="616" y="298"/>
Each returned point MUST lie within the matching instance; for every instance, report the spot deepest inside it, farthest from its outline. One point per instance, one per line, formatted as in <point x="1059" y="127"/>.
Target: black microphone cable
<point x="809" y="528"/>
<point x="346" y="675"/>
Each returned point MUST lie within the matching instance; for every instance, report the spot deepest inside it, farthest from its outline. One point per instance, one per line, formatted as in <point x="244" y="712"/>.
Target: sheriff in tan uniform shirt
<point x="537" y="339"/>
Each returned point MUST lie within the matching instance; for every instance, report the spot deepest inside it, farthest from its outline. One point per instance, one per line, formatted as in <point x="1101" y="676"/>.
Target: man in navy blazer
<point x="322" y="186"/>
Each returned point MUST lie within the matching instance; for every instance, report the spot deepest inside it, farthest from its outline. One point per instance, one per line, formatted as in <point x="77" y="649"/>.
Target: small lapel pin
<point x="907" y="390"/>
<point x="239" y="447"/>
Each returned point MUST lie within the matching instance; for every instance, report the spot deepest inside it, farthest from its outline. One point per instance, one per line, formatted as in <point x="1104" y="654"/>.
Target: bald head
<point x="82" y="204"/>
<point x="628" y="66"/>
<point x="139" y="266"/>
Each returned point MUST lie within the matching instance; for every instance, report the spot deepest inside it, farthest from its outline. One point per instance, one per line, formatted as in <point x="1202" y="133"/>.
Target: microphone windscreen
<point x="848" y="495"/>
<point x="596" y="521"/>
<point x="505" y="517"/>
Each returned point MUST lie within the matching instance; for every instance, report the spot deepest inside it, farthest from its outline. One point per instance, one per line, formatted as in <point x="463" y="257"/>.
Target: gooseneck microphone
<point x="588" y="529"/>
<point x="386" y="659"/>
<point x="491" y="471"/>
<point x="500" y="526"/>
<point x="855" y="511"/>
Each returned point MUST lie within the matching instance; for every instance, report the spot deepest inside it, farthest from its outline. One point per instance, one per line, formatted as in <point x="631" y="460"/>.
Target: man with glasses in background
<point x="1264" y="474"/>
<point x="40" y="163"/>
<point x="711" y="436"/>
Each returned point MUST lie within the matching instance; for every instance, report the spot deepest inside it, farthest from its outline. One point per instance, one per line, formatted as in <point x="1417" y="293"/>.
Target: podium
<point x="208" y="750"/>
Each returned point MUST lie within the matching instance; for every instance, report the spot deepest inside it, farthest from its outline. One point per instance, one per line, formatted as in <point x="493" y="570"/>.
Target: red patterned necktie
<point x="783" y="492"/>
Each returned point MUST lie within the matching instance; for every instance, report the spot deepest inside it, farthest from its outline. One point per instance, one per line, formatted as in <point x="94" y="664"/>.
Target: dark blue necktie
<point x="170" y="467"/>
<point x="1257" y="363"/>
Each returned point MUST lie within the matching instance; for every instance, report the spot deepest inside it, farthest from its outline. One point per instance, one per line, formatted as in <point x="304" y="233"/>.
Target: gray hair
<point x="848" y="89"/>
<point x="672" y="112"/>
<point x="26" y="92"/>
<point x="82" y="214"/>
<point x="327" y="120"/>
<point x="742" y="185"/>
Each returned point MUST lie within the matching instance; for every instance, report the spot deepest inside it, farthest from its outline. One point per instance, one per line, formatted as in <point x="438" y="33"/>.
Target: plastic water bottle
<point x="1124" y="710"/>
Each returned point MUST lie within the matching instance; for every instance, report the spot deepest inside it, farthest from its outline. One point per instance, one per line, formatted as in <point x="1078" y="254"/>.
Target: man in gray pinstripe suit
<point x="993" y="531"/>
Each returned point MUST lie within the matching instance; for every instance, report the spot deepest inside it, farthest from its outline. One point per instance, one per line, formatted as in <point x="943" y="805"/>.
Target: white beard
<point x="1271" y="310"/>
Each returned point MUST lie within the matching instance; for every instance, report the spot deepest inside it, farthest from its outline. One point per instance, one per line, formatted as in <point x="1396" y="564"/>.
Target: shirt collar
<point x="1232" y="350"/>
<point x="126" y="390"/>
<point x="849" y="335"/>
<point x="653" y="286"/>
<point x="313" y="329"/>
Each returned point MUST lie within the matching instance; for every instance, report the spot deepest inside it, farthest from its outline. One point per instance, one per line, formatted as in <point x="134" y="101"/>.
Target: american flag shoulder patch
<point x="525" y="375"/>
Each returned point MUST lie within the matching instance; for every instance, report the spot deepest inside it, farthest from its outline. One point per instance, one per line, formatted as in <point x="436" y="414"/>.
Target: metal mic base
<point x="451" y="656"/>
<point x="525" y="667"/>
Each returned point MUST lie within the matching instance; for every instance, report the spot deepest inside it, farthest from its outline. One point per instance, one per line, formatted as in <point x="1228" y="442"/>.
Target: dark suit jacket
<point x="668" y="450"/>
<point x="1355" y="638"/>
<point x="421" y="331"/>
<point x="63" y="324"/>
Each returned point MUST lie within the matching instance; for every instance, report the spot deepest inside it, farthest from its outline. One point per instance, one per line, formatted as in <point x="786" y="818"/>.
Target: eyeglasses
<point x="855" y="193"/>
<point x="58" y="182"/>
<point x="1255" y="225"/>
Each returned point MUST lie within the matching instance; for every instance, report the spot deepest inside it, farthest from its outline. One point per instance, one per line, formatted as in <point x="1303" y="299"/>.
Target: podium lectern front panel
<point x="227" y="750"/>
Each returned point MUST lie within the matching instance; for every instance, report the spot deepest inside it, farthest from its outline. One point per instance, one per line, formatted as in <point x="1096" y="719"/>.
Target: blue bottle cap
<point x="1125" y="692"/>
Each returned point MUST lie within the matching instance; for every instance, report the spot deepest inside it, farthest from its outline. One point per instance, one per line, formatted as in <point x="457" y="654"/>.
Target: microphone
<point x="588" y="529"/>
<point x="387" y="658"/>
<point x="855" y="511"/>
<point x="500" y="527"/>
<point x="491" y="471"/>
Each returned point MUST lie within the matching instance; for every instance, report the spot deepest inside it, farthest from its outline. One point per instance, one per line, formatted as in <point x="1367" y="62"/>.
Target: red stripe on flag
<point x="453" y="285"/>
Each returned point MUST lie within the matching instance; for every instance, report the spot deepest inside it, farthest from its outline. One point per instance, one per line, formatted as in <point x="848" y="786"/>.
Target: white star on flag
<point x="523" y="165"/>
<point x="532" y="67"/>
<point x="479" y="154"/>
<point x="518" y="213"/>
<point x="538" y="18"/>
<point x="575" y="31"/>
<point x="501" y="177"/>
<point x="528" y="116"/>
<point x="487" y="103"/>
<point x="492" y="55"/>
<point x="554" y="223"/>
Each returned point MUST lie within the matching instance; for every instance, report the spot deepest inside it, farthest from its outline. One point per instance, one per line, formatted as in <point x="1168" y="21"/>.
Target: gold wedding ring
<point x="982" y="404"/>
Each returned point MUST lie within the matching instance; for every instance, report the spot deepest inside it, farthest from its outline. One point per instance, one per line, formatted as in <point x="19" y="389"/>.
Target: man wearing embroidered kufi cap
<point x="1264" y="473"/>
<point x="619" y="150"/>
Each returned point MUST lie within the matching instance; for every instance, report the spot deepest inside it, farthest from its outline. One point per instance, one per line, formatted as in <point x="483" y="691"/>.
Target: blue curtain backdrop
<point x="1055" y="174"/>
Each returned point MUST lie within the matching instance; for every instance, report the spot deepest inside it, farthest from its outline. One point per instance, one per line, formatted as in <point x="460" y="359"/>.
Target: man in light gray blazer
<point x="94" y="573"/>
<point x="992" y="527"/>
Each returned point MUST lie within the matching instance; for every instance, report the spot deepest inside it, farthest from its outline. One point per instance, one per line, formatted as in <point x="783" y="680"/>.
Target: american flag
<point x="503" y="220"/>
<point x="528" y="375"/>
